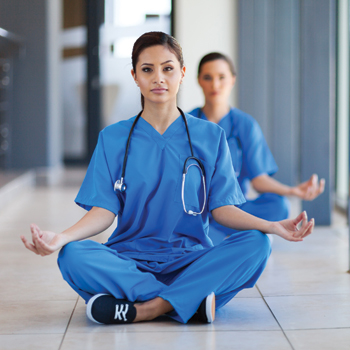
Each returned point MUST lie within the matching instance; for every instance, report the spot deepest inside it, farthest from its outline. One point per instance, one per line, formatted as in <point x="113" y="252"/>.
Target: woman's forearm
<point x="265" y="183"/>
<point x="93" y="222"/>
<point x="235" y="218"/>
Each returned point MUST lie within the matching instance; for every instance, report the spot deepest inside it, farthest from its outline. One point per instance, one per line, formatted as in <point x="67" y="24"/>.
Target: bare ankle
<point x="143" y="312"/>
<point x="151" y="309"/>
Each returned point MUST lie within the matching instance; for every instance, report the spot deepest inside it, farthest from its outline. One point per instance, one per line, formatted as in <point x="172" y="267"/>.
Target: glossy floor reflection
<point x="302" y="300"/>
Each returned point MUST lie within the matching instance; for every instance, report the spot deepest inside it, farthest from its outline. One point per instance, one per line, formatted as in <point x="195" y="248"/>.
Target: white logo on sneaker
<point x="119" y="312"/>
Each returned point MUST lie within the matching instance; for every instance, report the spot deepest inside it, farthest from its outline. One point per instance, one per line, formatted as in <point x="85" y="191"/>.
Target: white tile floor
<point x="302" y="300"/>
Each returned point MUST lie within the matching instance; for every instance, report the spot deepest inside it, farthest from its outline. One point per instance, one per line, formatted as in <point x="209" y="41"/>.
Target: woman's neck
<point x="160" y="116"/>
<point x="215" y="112"/>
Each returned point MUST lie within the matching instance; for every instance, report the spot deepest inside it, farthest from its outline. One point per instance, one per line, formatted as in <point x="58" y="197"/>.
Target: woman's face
<point x="158" y="75"/>
<point x="216" y="81"/>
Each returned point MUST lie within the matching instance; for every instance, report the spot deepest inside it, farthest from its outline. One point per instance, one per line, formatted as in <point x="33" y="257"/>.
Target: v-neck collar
<point x="222" y="120"/>
<point x="160" y="139"/>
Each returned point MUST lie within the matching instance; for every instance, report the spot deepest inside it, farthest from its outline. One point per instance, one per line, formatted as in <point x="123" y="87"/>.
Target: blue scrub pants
<point x="268" y="206"/>
<point x="91" y="268"/>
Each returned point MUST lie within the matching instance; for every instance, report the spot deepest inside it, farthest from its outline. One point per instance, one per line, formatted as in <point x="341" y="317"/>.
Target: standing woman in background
<point x="251" y="157"/>
<point x="171" y="170"/>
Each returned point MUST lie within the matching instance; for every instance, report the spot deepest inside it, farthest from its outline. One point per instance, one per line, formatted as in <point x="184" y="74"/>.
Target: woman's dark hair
<point x="213" y="56"/>
<point x="153" y="39"/>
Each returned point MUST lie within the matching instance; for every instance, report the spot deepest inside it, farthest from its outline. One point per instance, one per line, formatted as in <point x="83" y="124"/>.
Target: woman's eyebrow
<point x="151" y="64"/>
<point x="166" y="62"/>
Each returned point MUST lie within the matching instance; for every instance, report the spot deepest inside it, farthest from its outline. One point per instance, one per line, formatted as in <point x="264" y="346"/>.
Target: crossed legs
<point x="91" y="268"/>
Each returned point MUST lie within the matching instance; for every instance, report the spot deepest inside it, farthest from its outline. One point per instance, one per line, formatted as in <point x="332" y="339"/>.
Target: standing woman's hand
<point x="43" y="242"/>
<point x="288" y="229"/>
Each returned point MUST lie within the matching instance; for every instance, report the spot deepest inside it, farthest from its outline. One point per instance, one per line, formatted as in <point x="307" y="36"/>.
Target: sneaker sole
<point x="89" y="307"/>
<point x="210" y="307"/>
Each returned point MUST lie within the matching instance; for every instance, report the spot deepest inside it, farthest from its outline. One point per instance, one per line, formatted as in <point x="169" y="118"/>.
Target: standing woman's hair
<point x="213" y="56"/>
<point x="152" y="39"/>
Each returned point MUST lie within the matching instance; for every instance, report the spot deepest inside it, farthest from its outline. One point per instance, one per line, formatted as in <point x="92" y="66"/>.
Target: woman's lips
<point x="159" y="91"/>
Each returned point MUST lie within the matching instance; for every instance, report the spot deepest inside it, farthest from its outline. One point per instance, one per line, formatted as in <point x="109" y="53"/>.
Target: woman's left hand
<point x="309" y="189"/>
<point x="288" y="229"/>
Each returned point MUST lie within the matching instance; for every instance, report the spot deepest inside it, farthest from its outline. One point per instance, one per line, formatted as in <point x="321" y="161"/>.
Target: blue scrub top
<point x="250" y="153"/>
<point x="152" y="224"/>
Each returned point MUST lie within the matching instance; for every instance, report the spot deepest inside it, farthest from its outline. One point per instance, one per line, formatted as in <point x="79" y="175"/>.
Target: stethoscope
<point x="121" y="186"/>
<point x="238" y="151"/>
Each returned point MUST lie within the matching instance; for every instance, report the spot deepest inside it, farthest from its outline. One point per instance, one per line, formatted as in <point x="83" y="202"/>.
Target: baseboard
<point x="16" y="186"/>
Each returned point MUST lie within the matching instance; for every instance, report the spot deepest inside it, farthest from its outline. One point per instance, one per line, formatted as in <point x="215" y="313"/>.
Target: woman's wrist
<point x="266" y="184"/>
<point x="292" y="191"/>
<point x="266" y="226"/>
<point x="65" y="238"/>
<point x="272" y="227"/>
<point x="286" y="190"/>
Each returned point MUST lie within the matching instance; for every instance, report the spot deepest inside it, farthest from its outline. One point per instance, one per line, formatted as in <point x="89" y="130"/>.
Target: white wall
<point x="203" y="26"/>
<point x="54" y="112"/>
<point x="343" y="104"/>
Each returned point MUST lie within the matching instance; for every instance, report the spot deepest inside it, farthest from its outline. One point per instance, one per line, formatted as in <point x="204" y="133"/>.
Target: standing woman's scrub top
<point x="152" y="226"/>
<point x="251" y="157"/>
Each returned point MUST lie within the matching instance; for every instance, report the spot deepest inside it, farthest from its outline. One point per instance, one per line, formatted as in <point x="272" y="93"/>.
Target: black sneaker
<point x="206" y="310"/>
<point x="105" y="309"/>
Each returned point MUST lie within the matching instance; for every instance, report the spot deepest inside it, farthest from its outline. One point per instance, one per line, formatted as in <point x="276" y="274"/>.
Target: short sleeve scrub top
<point x="152" y="225"/>
<point x="250" y="157"/>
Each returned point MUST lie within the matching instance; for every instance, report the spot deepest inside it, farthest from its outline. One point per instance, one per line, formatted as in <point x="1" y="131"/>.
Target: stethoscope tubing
<point x="191" y="212"/>
<point x="121" y="186"/>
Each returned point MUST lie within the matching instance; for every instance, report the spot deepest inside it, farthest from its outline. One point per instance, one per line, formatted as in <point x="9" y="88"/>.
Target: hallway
<point x="302" y="300"/>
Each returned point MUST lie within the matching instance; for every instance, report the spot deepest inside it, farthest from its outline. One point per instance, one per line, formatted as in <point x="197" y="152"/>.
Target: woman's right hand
<point x="44" y="242"/>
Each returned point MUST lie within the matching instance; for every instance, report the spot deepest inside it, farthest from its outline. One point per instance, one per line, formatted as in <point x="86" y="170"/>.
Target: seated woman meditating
<point x="161" y="172"/>
<point x="252" y="159"/>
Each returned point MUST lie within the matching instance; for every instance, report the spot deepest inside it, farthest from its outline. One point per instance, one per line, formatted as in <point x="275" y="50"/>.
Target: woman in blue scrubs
<point x="251" y="157"/>
<point x="161" y="173"/>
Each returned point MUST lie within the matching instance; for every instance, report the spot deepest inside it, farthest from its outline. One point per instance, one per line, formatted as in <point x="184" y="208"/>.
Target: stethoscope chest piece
<point x="119" y="186"/>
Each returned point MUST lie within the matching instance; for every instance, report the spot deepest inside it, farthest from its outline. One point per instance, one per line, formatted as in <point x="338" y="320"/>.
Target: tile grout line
<point x="70" y="319"/>
<point x="301" y="295"/>
<point x="285" y="335"/>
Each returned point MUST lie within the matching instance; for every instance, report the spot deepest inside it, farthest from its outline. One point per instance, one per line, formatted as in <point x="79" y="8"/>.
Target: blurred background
<point x="65" y="74"/>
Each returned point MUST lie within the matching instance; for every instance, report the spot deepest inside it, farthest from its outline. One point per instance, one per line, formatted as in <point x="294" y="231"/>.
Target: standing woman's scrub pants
<point x="236" y="263"/>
